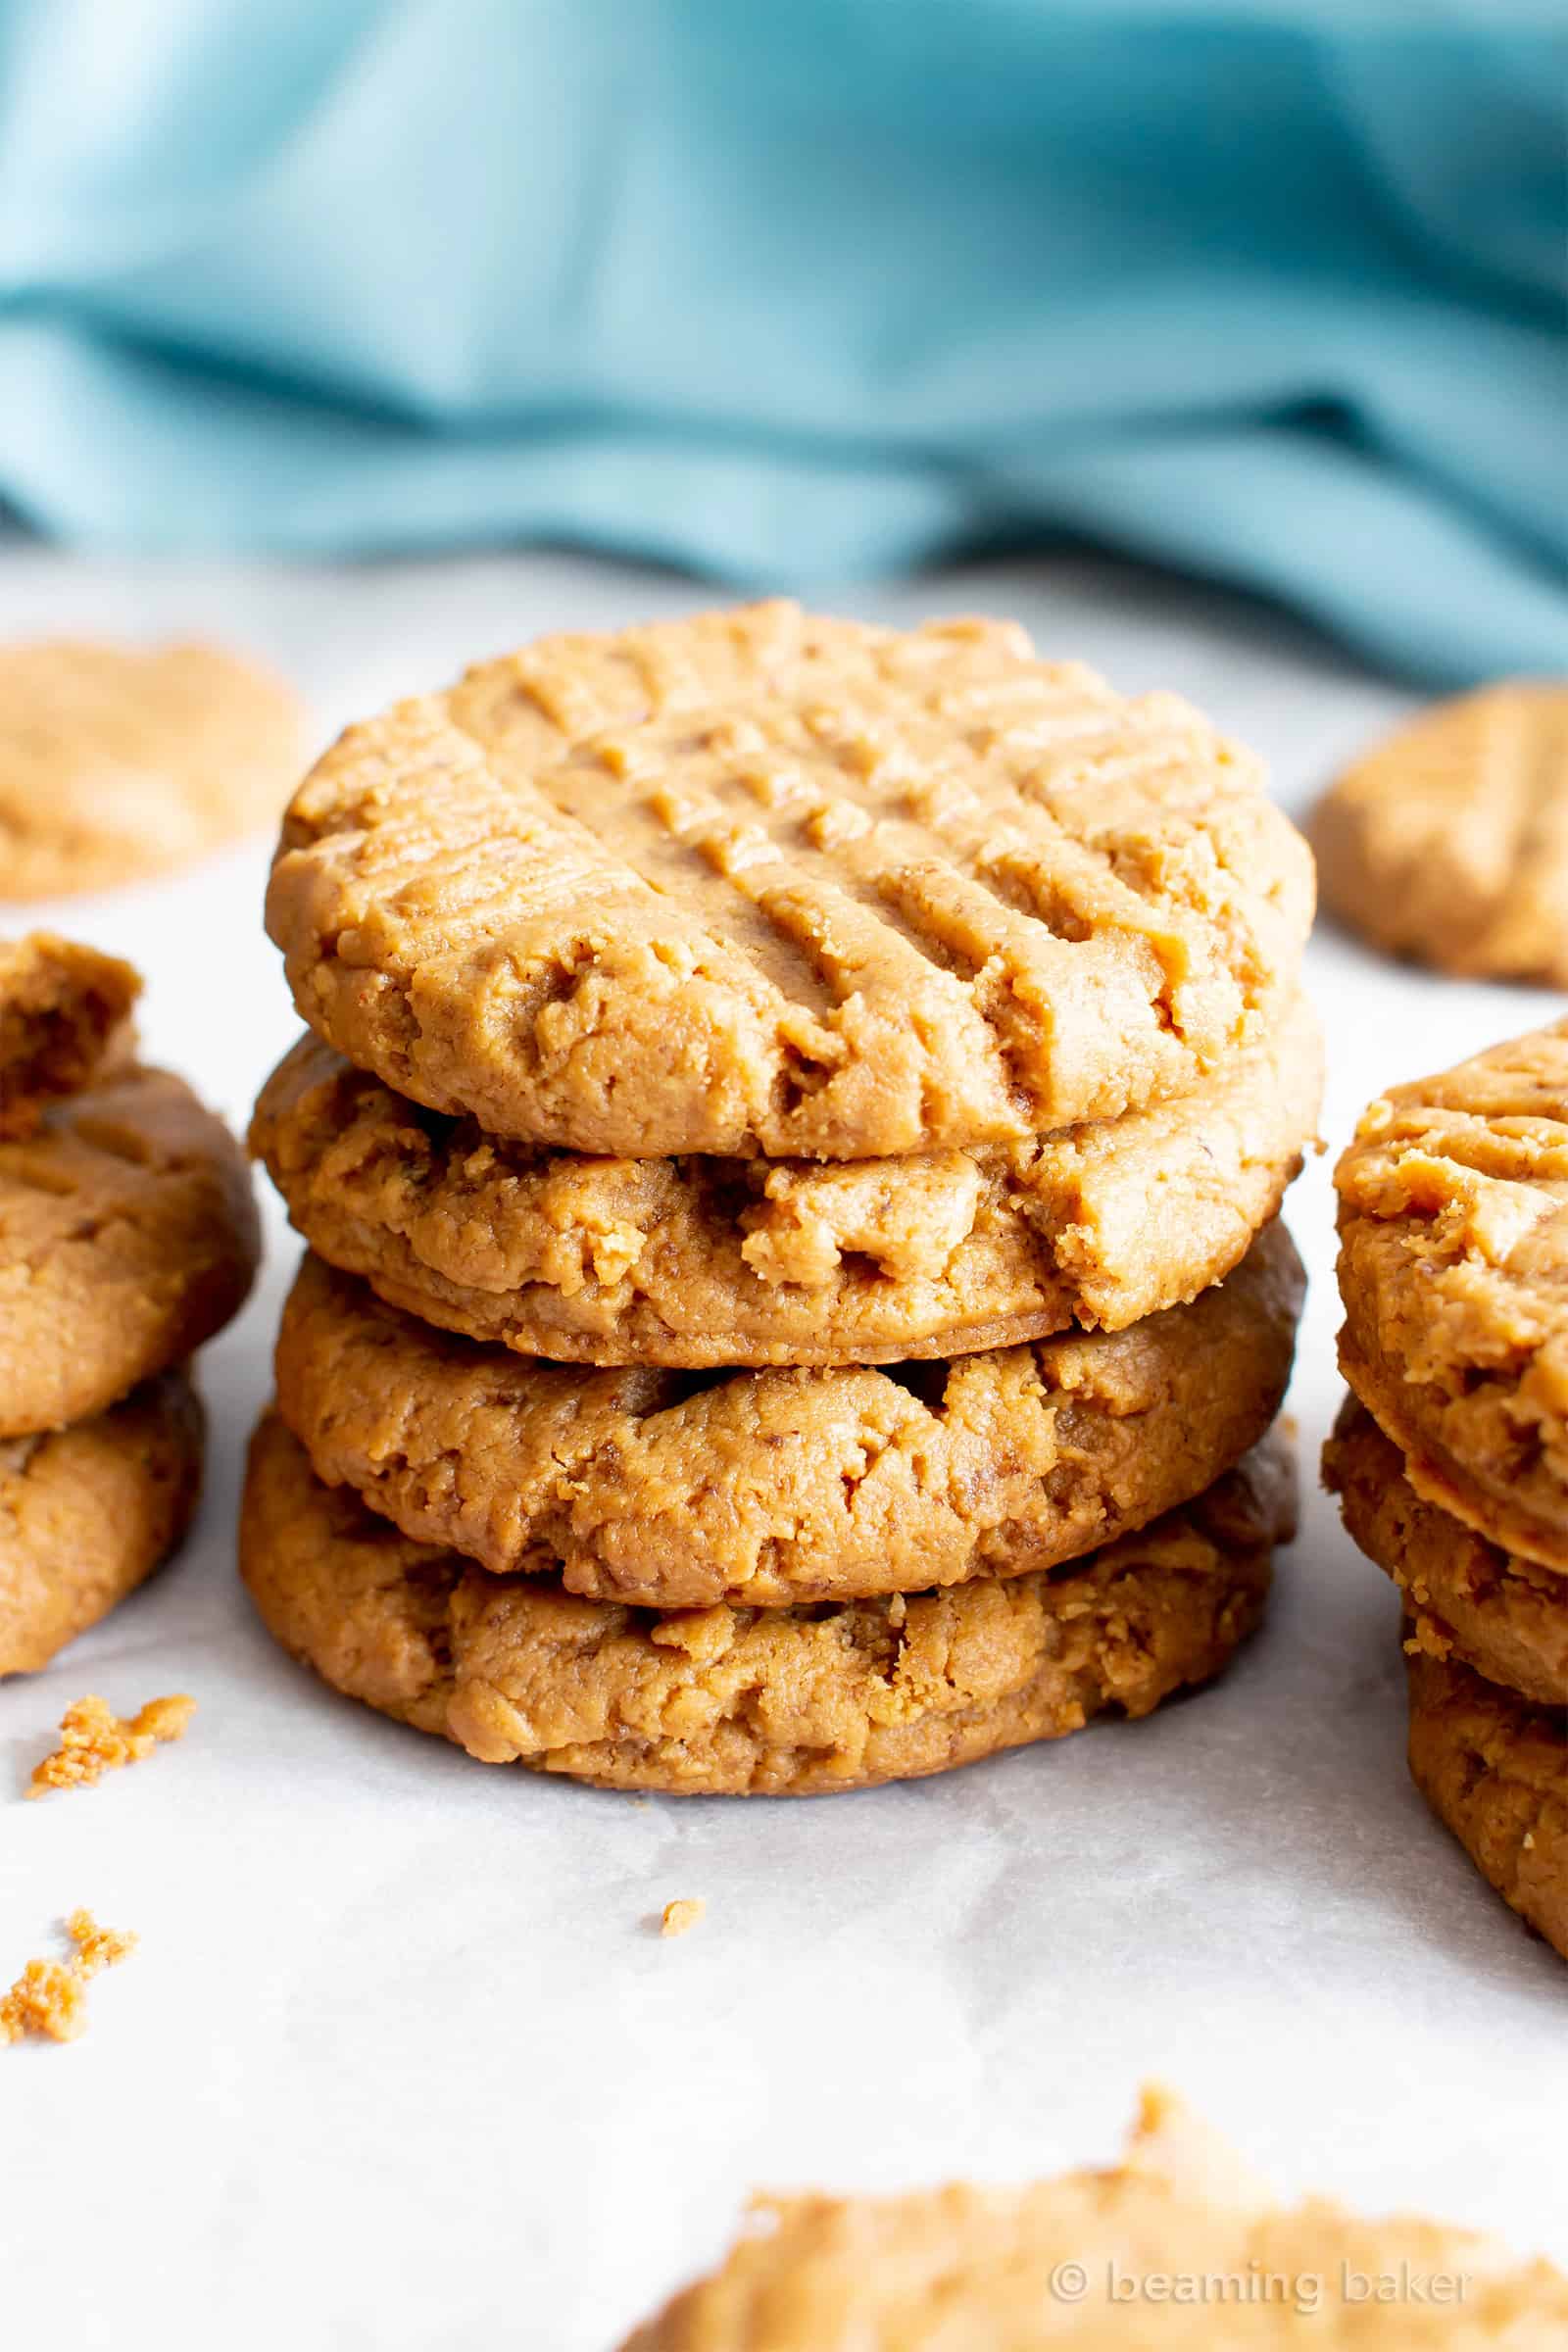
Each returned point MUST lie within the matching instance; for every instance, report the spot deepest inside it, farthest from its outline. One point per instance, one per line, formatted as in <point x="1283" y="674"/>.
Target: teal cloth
<point x="790" y="290"/>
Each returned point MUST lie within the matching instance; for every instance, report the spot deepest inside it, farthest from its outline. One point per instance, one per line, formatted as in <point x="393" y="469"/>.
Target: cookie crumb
<point x="96" y="1947"/>
<point x="50" y="1997"/>
<point x="94" y="1740"/>
<point x="681" y="1916"/>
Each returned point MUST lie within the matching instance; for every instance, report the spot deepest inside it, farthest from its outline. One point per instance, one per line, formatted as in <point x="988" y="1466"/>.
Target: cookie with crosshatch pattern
<point x="759" y="882"/>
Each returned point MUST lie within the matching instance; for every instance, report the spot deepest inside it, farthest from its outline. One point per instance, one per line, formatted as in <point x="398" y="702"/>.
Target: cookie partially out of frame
<point x="701" y="1261"/>
<point x="128" y="1236"/>
<point x="1176" y="2247"/>
<point x="1448" y="842"/>
<point x="1453" y="1271"/>
<point x="759" y="882"/>
<point x="1505" y="1616"/>
<point x="119" y="762"/>
<point x="87" y="1513"/>
<point x="778" y="1487"/>
<point x="64" y="1010"/>
<point x="1494" y="1770"/>
<point x="730" y="1701"/>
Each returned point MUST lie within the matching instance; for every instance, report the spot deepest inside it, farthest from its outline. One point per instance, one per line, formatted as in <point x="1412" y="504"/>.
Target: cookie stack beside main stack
<point x="127" y="1238"/>
<point x="1450" y="1458"/>
<point x="790" y="1148"/>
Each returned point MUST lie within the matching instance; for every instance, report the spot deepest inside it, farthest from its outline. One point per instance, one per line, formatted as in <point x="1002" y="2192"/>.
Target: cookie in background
<point x="120" y="763"/>
<point x="1447" y="842"/>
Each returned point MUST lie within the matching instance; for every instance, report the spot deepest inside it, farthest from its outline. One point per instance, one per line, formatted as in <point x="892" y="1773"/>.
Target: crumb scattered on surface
<point x="50" y="1997"/>
<point x="96" y="1947"/>
<point x="679" y="1917"/>
<point x="94" y="1740"/>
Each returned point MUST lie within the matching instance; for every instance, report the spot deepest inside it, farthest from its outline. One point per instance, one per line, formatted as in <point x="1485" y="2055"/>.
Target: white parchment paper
<point x="402" y="2063"/>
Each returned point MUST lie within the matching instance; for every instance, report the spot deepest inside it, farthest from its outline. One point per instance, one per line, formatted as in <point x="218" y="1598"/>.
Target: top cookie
<point x="1453" y="1269"/>
<point x="64" y="1010"/>
<point x="760" y="882"/>
<point x="116" y="761"/>
<point x="1100" y="2258"/>
<point x="1450" y="842"/>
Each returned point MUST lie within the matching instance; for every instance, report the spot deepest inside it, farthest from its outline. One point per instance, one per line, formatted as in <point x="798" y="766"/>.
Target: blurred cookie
<point x="1176" y="2247"/>
<point x="1453" y="1269"/>
<point x="87" y="1513"/>
<point x="1494" y="1770"/>
<point x="128" y="1235"/>
<point x="1505" y="1616"/>
<point x="1450" y="842"/>
<point x="735" y="1701"/>
<point x="700" y="1262"/>
<point x="118" y="761"/>
<point x="757" y="881"/>
<point x="778" y="1487"/>
<point x="63" y="1008"/>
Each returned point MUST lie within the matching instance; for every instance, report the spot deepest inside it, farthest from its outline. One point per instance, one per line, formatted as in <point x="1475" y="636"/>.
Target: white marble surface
<point x="400" y="2063"/>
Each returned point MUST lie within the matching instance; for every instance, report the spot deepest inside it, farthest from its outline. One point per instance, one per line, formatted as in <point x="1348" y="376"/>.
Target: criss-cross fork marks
<point x="927" y="844"/>
<point x="1503" y="1117"/>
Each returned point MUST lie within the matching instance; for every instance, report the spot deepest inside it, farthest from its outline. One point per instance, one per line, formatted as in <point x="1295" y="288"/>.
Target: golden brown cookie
<point x="1453" y="1269"/>
<point x="1505" y="1616"/>
<point x="64" y="1010"/>
<point x="128" y="1235"/>
<point x="761" y="882"/>
<point x="701" y="1261"/>
<point x="1178" y="2246"/>
<point x="770" y="1488"/>
<point x="119" y="762"/>
<point x="1449" y="841"/>
<point x="1494" y="1770"/>
<point x="730" y="1701"/>
<point x="89" y="1514"/>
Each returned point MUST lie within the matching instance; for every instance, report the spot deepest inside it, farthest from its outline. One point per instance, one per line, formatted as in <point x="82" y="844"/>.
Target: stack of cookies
<point x="790" y="1141"/>
<point x="127" y="1237"/>
<point x="1450" y="1457"/>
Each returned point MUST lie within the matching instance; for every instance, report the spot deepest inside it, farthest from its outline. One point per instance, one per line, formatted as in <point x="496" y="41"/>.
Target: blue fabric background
<point x="790" y="289"/>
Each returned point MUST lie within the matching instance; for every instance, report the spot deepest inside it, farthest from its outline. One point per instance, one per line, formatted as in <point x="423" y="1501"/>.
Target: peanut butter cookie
<point x="1453" y="1269"/>
<point x="128" y="1235"/>
<point x="1495" y="1770"/>
<point x="1176" y="2247"/>
<point x="761" y="882"/>
<point x="700" y="1262"/>
<point x="64" y="1010"/>
<point x="764" y="1489"/>
<point x="1450" y="842"/>
<point x="117" y="763"/>
<point x="731" y="1700"/>
<point x="1505" y="1616"/>
<point x="89" y="1514"/>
